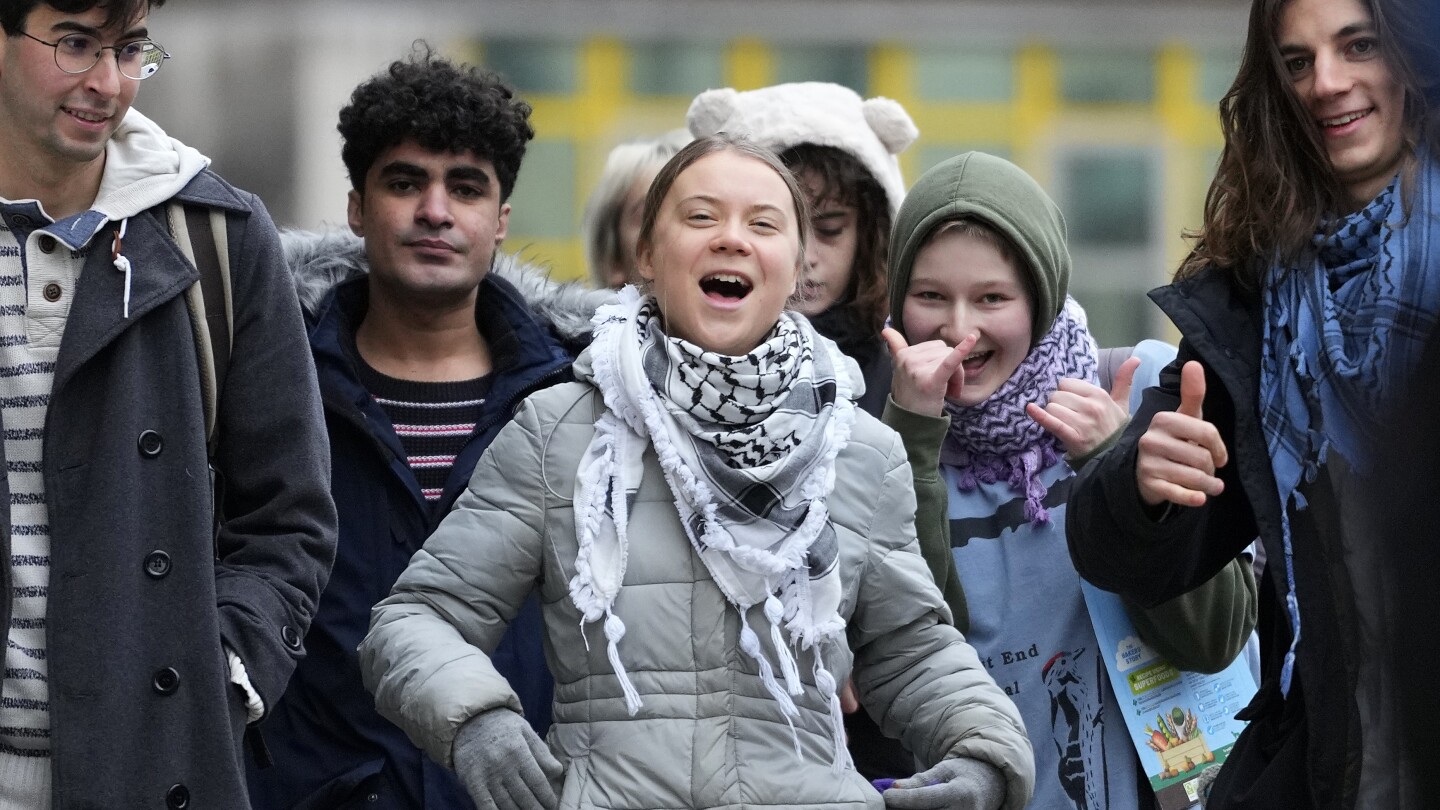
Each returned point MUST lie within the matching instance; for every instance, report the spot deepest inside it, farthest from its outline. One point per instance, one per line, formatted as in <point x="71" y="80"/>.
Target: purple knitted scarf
<point x="996" y="440"/>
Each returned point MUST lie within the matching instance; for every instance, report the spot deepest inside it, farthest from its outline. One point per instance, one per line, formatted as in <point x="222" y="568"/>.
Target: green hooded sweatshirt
<point x="1201" y="630"/>
<point x="1001" y="195"/>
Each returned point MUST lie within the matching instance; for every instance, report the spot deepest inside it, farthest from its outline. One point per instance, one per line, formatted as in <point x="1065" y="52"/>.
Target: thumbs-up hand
<point x="1180" y="452"/>
<point x="1082" y="415"/>
<point x="926" y="374"/>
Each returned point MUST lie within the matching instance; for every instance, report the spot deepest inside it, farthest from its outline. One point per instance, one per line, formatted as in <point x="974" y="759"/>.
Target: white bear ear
<point x="892" y="125"/>
<point x="710" y="110"/>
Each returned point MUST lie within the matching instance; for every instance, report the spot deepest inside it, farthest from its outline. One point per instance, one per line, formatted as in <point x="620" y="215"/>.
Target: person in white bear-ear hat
<point x="842" y="149"/>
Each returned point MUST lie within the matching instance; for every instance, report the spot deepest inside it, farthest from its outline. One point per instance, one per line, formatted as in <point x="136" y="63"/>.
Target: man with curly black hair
<point x="421" y="361"/>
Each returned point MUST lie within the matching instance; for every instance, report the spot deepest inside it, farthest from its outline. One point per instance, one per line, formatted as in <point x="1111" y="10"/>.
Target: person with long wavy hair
<point x="1309" y="297"/>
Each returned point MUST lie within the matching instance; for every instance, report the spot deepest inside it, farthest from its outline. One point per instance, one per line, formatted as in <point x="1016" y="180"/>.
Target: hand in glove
<point x="960" y="783"/>
<point x="503" y="764"/>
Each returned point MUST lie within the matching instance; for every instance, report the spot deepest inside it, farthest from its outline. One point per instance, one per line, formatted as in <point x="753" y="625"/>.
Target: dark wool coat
<point x="1298" y="752"/>
<point x="142" y="592"/>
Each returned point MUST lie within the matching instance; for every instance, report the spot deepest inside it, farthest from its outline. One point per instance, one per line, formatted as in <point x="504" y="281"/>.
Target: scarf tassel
<point x="1035" y="492"/>
<point x="614" y="631"/>
<point x="775" y="612"/>
<point x="828" y="688"/>
<point x="750" y="645"/>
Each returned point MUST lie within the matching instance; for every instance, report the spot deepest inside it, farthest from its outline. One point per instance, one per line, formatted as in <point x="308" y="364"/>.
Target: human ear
<point x="643" y="262"/>
<point x="503" y="227"/>
<point x="355" y="213"/>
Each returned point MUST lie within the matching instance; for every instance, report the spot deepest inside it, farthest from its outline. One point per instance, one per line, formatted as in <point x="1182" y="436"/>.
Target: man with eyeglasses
<point x="141" y="640"/>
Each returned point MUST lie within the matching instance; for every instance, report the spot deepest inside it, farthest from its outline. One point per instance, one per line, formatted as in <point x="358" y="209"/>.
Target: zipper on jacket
<point x="513" y="404"/>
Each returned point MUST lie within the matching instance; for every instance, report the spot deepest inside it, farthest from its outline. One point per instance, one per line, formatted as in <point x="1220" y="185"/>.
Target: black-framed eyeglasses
<point x="77" y="53"/>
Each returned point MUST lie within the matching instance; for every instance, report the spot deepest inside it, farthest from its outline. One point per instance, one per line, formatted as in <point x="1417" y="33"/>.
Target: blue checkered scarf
<point x="1341" y="339"/>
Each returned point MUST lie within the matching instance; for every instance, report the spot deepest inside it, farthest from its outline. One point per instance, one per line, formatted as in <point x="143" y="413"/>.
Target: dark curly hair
<point x="13" y="13"/>
<point x="442" y="106"/>
<point x="840" y="177"/>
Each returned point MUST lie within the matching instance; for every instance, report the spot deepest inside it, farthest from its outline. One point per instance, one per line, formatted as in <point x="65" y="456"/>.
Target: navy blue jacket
<point x="329" y="746"/>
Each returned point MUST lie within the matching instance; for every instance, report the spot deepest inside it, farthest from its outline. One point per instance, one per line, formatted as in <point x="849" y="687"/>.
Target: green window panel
<point x="840" y="64"/>
<point x="929" y="155"/>
<point x="1099" y="77"/>
<point x="1117" y="317"/>
<point x="1111" y="201"/>
<point x="1217" y="72"/>
<point x="966" y="73"/>
<point x="534" y="66"/>
<point x="676" y="68"/>
<point x="543" y="204"/>
<point x="1211" y="159"/>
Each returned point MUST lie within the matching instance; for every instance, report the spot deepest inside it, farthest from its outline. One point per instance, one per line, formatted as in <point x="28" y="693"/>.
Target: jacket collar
<point x="1222" y="322"/>
<point x="160" y="272"/>
<point x="524" y="351"/>
<point x="208" y="190"/>
<point x="97" y="314"/>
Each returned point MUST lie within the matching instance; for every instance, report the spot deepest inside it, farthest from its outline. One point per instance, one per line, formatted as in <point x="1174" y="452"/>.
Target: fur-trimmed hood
<point x="318" y="261"/>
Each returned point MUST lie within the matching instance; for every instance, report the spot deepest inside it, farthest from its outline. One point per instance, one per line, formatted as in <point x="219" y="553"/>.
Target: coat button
<point x="290" y="637"/>
<point x="166" y="681"/>
<point x="52" y="292"/>
<point x="150" y="444"/>
<point x="47" y="243"/>
<point x="21" y="220"/>
<point x="157" y="564"/>
<point x="177" y="797"/>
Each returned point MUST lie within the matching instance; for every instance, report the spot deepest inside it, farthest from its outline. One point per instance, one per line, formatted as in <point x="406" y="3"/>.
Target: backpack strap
<point x="201" y="235"/>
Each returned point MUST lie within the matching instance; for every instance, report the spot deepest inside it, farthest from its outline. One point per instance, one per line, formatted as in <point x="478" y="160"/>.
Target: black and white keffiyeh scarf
<point x="747" y="445"/>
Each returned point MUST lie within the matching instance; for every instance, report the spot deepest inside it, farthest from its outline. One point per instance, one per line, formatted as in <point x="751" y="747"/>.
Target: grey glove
<point x="960" y="783"/>
<point x="504" y="765"/>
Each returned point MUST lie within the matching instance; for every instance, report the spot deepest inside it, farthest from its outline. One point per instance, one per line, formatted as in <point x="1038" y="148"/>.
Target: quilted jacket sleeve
<point x="426" y="657"/>
<point x="914" y="671"/>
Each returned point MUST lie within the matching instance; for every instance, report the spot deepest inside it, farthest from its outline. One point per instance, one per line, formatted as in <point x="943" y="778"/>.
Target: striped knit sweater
<point x="31" y="323"/>
<point x="433" y="420"/>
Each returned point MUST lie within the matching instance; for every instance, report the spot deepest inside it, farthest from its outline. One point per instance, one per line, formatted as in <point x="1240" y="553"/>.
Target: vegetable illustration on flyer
<point x="1180" y="722"/>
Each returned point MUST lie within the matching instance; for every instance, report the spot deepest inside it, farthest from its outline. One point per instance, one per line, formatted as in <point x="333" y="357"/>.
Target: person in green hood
<point x="996" y="395"/>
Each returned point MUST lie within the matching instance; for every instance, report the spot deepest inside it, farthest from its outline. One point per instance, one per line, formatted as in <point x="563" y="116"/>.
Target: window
<point x="1217" y="73"/>
<point x="1091" y="77"/>
<point x="533" y="67"/>
<point x="543" y="203"/>
<point x="1110" y="198"/>
<point x="840" y="64"/>
<point x="966" y="73"/>
<point x="932" y="154"/>
<point x="676" y="68"/>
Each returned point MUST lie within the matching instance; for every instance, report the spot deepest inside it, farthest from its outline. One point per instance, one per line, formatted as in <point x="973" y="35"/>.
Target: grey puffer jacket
<point x="708" y="734"/>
